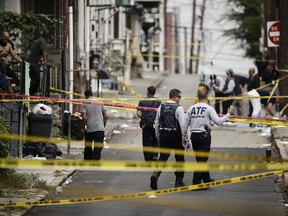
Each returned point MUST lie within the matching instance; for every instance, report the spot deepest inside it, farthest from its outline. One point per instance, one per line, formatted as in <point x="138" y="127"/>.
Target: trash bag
<point x="47" y="150"/>
<point x="32" y="148"/>
<point x="50" y="151"/>
<point x="42" y="109"/>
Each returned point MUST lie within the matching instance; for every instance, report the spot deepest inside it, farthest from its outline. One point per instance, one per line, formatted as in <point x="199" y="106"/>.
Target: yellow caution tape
<point x="130" y="89"/>
<point x="282" y="70"/>
<point x="283" y="110"/>
<point x="138" y="165"/>
<point x="273" y="90"/>
<point x="219" y="155"/>
<point x="66" y="92"/>
<point x="218" y="183"/>
<point x="263" y="121"/>
<point x="119" y="100"/>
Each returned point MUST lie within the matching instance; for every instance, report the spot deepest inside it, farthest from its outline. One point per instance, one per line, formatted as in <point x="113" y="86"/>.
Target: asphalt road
<point x="247" y="198"/>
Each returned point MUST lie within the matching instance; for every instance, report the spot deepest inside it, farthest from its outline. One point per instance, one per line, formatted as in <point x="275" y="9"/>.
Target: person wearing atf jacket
<point x="168" y="124"/>
<point x="198" y="118"/>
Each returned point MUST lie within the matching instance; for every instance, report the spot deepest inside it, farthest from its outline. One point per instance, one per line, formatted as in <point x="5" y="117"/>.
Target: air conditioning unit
<point x="117" y="45"/>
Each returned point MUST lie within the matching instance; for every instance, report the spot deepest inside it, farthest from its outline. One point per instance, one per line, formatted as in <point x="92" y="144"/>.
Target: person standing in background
<point x="228" y="90"/>
<point x="216" y="83"/>
<point x="94" y="118"/>
<point x="39" y="50"/>
<point x="240" y="82"/>
<point x="255" y="104"/>
<point x="269" y="78"/>
<point x="147" y="124"/>
<point x="253" y="83"/>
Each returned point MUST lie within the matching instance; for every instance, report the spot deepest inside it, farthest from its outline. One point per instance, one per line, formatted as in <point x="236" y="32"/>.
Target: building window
<point x="51" y="8"/>
<point x="45" y="7"/>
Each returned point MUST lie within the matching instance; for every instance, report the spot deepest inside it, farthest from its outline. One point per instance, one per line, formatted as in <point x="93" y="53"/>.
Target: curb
<point x="279" y="136"/>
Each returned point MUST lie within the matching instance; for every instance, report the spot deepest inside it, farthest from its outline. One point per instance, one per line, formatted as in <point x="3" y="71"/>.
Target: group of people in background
<point x="168" y="126"/>
<point x="8" y="77"/>
<point x="256" y="86"/>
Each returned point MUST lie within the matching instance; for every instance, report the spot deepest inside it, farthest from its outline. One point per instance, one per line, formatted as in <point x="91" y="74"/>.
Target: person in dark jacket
<point x="240" y="82"/>
<point x="269" y="76"/>
<point x="216" y="84"/>
<point x="147" y="124"/>
<point x="39" y="50"/>
<point x="228" y="90"/>
<point x="168" y="125"/>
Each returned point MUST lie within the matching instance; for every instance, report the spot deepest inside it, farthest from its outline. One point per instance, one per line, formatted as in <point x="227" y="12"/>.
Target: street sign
<point x="273" y="33"/>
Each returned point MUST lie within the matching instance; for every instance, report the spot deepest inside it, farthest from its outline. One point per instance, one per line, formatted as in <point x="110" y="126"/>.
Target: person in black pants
<point x="168" y="123"/>
<point x="216" y="83"/>
<point x="198" y="117"/>
<point x="94" y="119"/>
<point x="38" y="52"/>
<point x="228" y="90"/>
<point x="147" y="123"/>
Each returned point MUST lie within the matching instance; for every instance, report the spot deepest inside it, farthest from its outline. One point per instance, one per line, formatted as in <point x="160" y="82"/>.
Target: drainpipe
<point x="87" y="39"/>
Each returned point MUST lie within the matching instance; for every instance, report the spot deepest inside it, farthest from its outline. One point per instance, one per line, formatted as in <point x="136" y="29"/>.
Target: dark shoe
<point x="201" y="189"/>
<point x="155" y="158"/>
<point x="154" y="182"/>
<point x="211" y="180"/>
<point x="179" y="182"/>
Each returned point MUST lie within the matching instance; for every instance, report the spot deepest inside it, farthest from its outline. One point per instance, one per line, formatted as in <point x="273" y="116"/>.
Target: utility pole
<point x="283" y="52"/>
<point x="202" y="36"/>
<point x="270" y="14"/>
<point x="176" y="15"/>
<point x="192" y="36"/>
<point x="185" y="49"/>
<point x="165" y="32"/>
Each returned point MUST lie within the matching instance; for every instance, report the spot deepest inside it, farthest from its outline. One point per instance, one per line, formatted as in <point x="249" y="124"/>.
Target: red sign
<point x="273" y="33"/>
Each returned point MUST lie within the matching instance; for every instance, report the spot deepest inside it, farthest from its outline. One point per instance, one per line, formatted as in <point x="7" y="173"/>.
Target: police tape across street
<point x="220" y="155"/>
<point x="123" y="146"/>
<point x="115" y="165"/>
<point x="217" y="183"/>
<point x="265" y="121"/>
